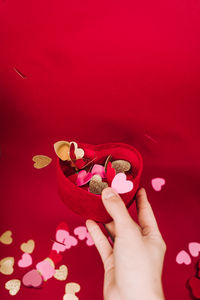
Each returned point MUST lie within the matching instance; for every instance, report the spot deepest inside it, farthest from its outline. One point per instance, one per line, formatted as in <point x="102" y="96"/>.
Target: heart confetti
<point x="46" y="268"/>
<point x="157" y="183"/>
<point x="28" y="247"/>
<point x="83" y="178"/>
<point x="198" y="267"/>
<point x="121" y="166"/>
<point x="96" y="185"/>
<point x="25" y="261"/>
<point x="6" y="265"/>
<point x="65" y="241"/>
<point x="41" y="161"/>
<point x="62" y="150"/>
<point x="61" y="273"/>
<point x="70" y="297"/>
<point x="110" y="173"/>
<point x="13" y="286"/>
<point x="194" y="249"/>
<point x="6" y="237"/>
<point x="82" y="233"/>
<point x="98" y="170"/>
<point x="183" y="258"/>
<point x="79" y="153"/>
<point x="32" y="279"/>
<point x="194" y="284"/>
<point x="72" y="288"/>
<point x="121" y="184"/>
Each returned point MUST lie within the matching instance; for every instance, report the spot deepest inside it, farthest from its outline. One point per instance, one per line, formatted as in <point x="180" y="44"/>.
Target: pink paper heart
<point x="32" y="279"/>
<point x="46" y="269"/>
<point x="157" y="183"/>
<point x="121" y="184"/>
<point x="99" y="170"/>
<point x="194" y="249"/>
<point x="81" y="232"/>
<point x="66" y="239"/>
<point x="25" y="261"/>
<point x="83" y="177"/>
<point x="183" y="258"/>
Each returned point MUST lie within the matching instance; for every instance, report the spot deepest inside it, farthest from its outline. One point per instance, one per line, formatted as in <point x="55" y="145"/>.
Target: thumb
<point x="118" y="211"/>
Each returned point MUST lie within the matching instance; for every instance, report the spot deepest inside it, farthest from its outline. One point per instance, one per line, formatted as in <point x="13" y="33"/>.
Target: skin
<point x="133" y="266"/>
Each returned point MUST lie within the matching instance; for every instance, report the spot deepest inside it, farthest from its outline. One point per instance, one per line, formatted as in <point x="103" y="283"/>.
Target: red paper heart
<point x="89" y="205"/>
<point x="110" y="173"/>
<point x="198" y="269"/>
<point x="56" y="257"/>
<point x="194" y="284"/>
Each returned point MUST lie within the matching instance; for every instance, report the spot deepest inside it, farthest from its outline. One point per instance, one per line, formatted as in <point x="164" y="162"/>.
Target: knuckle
<point x="108" y="264"/>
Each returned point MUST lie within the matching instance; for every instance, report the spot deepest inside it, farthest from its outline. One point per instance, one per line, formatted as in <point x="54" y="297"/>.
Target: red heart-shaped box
<point x="89" y="205"/>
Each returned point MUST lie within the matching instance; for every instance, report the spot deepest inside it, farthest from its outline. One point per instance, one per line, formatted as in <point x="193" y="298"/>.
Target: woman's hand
<point x="133" y="267"/>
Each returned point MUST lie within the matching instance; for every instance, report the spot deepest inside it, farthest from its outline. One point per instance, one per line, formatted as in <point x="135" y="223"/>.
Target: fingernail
<point x="109" y="193"/>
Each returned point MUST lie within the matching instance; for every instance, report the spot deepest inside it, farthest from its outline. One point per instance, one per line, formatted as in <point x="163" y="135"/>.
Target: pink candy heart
<point x="66" y="239"/>
<point x="183" y="258"/>
<point x="82" y="233"/>
<point x="25" y="261"/>
<point x="32" y="279"/>
<point x="194" y="249"/>
<point x="83" y="177"/>
<point x="99" y="170"/>
<point x="157" y="183"/>
<point x="121" y="184"/>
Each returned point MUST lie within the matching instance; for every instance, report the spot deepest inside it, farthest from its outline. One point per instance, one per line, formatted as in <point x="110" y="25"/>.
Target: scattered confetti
<point x="121" y="184"/>
<point x="64" y="241"/>
<point x="82" y="233"/>
<point x="121" y="166"/>
<point x="61" y="273"/>
<point x="32" y="279"/>
<point x="19" y="73"/>
<point x="46" y="269"/>
<point x="25" y="261"/>
<point x="72" y="288"/>
<point x="6" y="265"/>
<point x="28" y="247"/>
<point x="183" y="258"/>
<point x="6" y="237"/>
<point x="13" y="286"/>
<point x="70" y="297"/>
<point x="157" y="183"/>
<point x="194" y="249"/>
<point x="41" y="161"/>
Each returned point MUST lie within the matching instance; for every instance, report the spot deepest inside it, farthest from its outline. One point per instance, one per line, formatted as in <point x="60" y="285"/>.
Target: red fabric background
<point x="98" y="72"/>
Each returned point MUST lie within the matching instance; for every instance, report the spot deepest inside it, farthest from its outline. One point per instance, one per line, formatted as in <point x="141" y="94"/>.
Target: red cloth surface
<point x="98" y="72"/>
